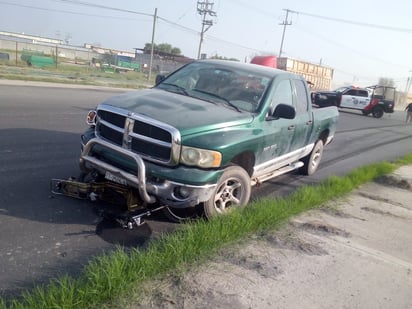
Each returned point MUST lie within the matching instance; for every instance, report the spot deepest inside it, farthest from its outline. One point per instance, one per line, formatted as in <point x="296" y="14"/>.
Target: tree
<point x="176" y="51"/>
<point x="163" y="48"/>
<point x="148" y="47"/>
<point x="216" y="56"/>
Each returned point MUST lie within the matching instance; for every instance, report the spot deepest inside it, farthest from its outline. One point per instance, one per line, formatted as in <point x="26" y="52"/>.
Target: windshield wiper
<point x="181" y="89"/>
<point x="220" y="98"/>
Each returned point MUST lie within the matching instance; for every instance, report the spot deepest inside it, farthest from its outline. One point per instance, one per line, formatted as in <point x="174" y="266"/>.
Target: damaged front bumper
<point x="153" y="186"/>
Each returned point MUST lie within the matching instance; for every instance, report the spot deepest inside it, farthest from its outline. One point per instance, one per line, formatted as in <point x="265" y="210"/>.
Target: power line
<point x="172" y="23"/>
<point x="234" y="44"/>
<point x="390" y="28"/>
<point x="350" y="49"/>
<point x="62" y="11"/>
<point x="88" y="4"/>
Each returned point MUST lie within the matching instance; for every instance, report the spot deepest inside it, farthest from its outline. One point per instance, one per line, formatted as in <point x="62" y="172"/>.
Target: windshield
<point x="236" y="88"/>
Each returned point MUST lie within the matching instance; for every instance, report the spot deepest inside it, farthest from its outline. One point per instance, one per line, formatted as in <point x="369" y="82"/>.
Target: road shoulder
<point x="352" y="253"/>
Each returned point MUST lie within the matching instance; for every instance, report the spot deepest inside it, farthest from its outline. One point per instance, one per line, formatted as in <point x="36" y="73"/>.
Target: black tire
<point x="232" y="191"/>
<point x="377" y="112"/>
<point x="312" y="160"/>
<point x="182" y="215"/>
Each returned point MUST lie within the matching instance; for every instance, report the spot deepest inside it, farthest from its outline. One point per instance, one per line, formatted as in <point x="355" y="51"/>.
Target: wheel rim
<point x="317" y="155"/>
<point x="377" y="113"/>
<point x="228" y="194"/>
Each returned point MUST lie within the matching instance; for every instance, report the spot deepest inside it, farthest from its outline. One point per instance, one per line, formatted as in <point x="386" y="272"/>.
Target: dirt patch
<point x="320" y="227"/>
<point x="250" y="260"/>
<point x="335" y="212"/>
<point x="394" y="181"/>
<point x="292" y="242"/>
<point x="381" y="212"/>
<point x="374" y="197"/>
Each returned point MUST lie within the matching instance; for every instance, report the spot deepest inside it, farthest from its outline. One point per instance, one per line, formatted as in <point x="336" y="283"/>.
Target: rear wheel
<point x="312" y="161"/>
<point x="232" y="191"/>
<point x="377" y="112"/>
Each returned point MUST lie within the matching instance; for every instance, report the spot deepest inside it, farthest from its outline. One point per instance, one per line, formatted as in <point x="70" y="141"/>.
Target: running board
<point x="286" y="169"/>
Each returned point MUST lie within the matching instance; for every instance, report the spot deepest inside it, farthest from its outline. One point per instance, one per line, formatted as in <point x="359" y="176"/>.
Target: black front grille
<point x="150" y="149"/>
<point x="151" y="131"/>
<point x="150" y="140"/>
<point x="110" y="134"/>
<point x="115" y="119"/>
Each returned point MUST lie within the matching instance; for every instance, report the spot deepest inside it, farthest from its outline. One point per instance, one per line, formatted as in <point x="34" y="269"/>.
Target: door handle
<point x="292" y="127"/>
<point x="309" y="122"/>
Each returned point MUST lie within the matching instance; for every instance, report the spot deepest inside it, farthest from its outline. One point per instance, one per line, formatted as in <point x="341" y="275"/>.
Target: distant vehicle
<point x="375" y="100"/>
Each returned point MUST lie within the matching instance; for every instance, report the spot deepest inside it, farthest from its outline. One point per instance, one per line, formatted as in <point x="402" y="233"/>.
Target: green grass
<point x="109" y="276"/>
<point x="74" y="74"/>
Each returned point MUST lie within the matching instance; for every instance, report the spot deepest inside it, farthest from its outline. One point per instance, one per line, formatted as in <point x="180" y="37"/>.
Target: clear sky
<point x="362" y="40"/>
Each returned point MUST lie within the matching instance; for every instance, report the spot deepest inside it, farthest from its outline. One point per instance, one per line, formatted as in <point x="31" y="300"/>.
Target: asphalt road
<point x="43" y="236"/>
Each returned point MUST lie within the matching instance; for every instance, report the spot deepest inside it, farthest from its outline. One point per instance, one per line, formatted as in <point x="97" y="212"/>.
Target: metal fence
<point x="80" y="55"/>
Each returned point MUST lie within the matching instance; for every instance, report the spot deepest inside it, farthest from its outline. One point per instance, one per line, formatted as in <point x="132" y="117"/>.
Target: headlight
<point x="200" y="157"/>
<point x="91" y="118"/>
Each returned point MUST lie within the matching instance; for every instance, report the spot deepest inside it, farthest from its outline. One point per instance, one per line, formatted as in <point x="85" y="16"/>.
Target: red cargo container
<point x="269" y="61"/>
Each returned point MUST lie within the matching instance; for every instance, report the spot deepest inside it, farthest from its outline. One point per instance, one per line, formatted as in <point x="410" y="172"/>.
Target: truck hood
<point x="187" y="114"/>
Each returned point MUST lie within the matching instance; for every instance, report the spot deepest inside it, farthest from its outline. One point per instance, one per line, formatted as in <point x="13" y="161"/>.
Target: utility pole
<point x="152" y="47"/>
<point x="407" y="88"/>
<point x="284" y="24"/>
<point x="205" y="8"/>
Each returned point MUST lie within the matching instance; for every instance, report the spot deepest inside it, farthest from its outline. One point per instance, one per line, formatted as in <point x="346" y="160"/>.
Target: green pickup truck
<point x="203" y="136"/>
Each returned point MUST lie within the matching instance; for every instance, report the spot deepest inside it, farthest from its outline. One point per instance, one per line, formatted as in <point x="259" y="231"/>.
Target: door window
<point x="363" y="93"/>
<point x="283" y="94"/>
<point x="301" y="96"/>
<point x="351" y="92"/>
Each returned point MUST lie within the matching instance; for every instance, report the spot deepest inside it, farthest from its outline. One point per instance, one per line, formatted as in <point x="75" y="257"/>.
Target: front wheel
<point x="377" y="112"/>
<point x="311" y="162"/>
<point x="232" y="191"/>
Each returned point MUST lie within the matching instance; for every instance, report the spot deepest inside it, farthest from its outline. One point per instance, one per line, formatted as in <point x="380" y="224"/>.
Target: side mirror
<point x="160" y="78"/>
<point x="284" y="111"/>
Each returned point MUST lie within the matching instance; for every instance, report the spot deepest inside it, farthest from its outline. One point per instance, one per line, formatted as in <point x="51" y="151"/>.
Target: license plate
<point x="116" y="179"/>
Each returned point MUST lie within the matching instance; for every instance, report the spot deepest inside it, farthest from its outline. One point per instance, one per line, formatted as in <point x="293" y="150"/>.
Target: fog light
<point x="182" y="192"/>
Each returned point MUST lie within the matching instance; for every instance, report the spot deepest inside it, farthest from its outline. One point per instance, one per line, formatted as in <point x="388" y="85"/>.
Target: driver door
<point x="278" y="133"/>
